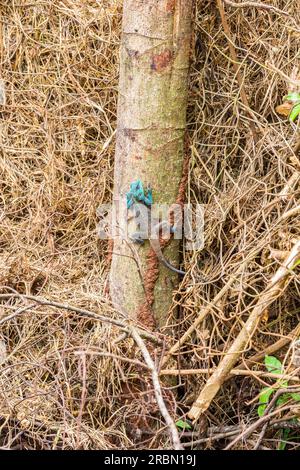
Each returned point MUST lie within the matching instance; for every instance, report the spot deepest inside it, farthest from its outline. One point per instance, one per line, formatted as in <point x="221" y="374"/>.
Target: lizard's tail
<point x="172" y="268"/>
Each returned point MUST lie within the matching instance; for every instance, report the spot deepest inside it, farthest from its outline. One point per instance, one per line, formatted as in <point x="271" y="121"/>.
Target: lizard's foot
<point x="136" y="238"/>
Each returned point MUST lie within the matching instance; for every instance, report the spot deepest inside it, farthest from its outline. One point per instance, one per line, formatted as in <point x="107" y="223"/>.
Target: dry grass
<point x="64" y="383"/>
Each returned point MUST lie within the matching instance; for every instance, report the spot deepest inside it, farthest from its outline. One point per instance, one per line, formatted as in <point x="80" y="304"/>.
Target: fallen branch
<point x="275" y="288"/>
<point x="290" y="213"/>
<point x="123" y="325"/>
<point x="236" y="66"/>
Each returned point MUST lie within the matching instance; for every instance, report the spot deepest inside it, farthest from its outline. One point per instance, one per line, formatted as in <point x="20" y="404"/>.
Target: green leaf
<point x="285" y="435"/>
<point x="294" y="96"/>
<point x="295" y="396"/>
<point x="264" y="397"/>
<point x="294" y="112"/>
<point x="182" y="424"/>
<point x="273" y="365"/>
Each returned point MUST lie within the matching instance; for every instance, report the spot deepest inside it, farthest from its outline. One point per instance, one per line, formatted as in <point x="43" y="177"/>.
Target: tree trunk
<point x="153" y="83"/>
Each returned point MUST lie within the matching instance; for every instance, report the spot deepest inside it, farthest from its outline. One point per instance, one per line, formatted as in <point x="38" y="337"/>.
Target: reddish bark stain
<point x="170" y="7"/>
<point x="161" y="61"/>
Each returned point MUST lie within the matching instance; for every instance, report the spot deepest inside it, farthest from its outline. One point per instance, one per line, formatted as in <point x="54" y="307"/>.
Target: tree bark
<point x="153" y="83"/>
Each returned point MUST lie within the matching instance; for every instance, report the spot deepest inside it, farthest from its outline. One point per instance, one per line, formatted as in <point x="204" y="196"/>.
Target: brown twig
<point x="16" y="313"/>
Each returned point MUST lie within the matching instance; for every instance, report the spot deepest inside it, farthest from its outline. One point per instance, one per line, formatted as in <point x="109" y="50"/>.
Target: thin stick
<point x="290" y="213"/>
<point x="270" y="406"/>
<point x="236" y="66"/>
<point x="233" y="372"/>
<point x="113" y="356"/>
<point x="16" y="313"/>
<point x="82" y="312"/>
<point x="210" y="306"/>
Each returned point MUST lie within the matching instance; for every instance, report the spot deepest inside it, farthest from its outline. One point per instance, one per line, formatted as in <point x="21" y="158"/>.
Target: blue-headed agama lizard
<point x="150" y="228"/>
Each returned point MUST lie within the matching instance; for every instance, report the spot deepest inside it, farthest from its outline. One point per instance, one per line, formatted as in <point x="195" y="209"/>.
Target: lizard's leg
<point x="138" y="237"/>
